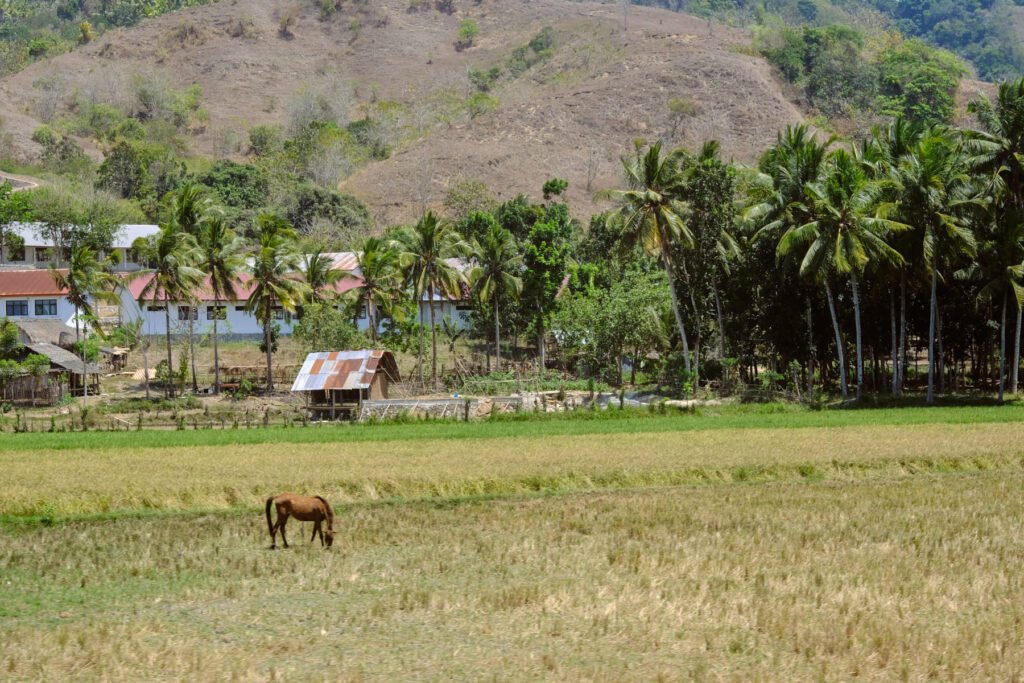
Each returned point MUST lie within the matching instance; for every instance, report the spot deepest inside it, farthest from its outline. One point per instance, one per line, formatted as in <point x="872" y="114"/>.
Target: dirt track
<point x="19" y="182"/>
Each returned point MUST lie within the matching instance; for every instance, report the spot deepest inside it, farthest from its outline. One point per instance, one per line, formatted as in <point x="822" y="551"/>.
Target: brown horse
<point x="303" y="508"/>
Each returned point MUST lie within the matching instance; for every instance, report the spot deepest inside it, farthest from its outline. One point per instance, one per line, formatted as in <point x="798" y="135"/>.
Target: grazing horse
<point x="303" y="508"/>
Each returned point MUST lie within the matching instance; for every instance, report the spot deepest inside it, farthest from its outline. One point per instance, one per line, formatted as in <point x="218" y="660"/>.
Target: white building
<point x="33" y="294"/>
<point x="235" y="321"/>
<point x="38" y="250"/>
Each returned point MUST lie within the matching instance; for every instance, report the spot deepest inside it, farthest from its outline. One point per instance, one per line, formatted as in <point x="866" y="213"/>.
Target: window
<point x="188" y="313"/>
<point x="155" y="308"/>
<point x="240" y="309"/>
<point x="463" y="307"/>
<point x="362" y="313"/>
<point x="46" y="307"/>
<point x="17" y="308"/>
<point x="43" y="254"/>
<point x="281" y="314"/>
<point x="216" y="312"/>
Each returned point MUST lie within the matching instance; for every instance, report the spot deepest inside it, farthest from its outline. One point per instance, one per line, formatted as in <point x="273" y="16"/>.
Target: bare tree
<point x="328" y="98"/>
<point x="592" y="164"/>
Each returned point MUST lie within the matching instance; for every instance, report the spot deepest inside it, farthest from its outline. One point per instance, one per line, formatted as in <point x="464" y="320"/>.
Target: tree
<point x="10" y="338"/>
<point x="495" y="276"/>
<point x="173" y="255"/>
<point x="85" y="281"/>
<point x="324" y="327"/>
<point x="546" y="259"/>
<point x="272" y="266"/>
<point x="221" y="258"/>
<point x="14" y="207"/>
<point x="319" y="274"/>
<point x="777" y="206"/>
<point x="935" y="191"/>
<point x="652" y="215"/>
<point x="997" y="151"/>
<point x="425" y="250"/>
<point x="380" y="282"/>
<point x="37" y="367"/>
<point x="845" y="234"/>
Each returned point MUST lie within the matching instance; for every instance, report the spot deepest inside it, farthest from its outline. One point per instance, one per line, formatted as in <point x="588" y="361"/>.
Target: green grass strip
<point x="613" y="421"/>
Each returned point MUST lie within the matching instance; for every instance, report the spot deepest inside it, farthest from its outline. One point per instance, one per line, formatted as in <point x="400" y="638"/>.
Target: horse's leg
<point x="273" y="533"/>
<point x="316" y="528"/>
<point x="281" y="521"/>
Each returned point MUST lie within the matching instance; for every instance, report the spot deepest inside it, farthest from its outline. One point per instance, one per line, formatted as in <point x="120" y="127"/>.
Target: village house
<point x="235" y="321"/>
<point x="38" y="249"/>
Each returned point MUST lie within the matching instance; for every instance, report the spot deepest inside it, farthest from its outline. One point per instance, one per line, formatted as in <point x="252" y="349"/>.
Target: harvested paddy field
<point x="748" y="551"/>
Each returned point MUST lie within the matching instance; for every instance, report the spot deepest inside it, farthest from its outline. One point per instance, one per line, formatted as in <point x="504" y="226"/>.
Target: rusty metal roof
<point x="327" y="370"/>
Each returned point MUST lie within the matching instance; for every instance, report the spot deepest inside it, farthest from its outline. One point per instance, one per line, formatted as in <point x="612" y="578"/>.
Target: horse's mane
<point x="330" y="512"/>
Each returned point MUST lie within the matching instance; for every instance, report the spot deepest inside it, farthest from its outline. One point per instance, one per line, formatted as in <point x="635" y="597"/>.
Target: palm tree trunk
<point x="541" y="346"/>
<point x="433" y="342"/>
<point x="1002" y="349"/>
<point x="940" y="357"/>
<point x="497" y="337"/>
<point x="933" y="305"/>
<point x="371" y="318"/>
<point x="192" y="312"/>
<point x="266" y="341"/>
<point x="419" y="304"/>
<point x="839" y="341"/>
<point x="721" y="322"/>
<point x="894" y="384"/>
<point x="216" y="355"/>
<point x="811" y="346"/>
<point x="1016" y="356"/>
<point x="144" y="344"/>
<point x="856" y="323"/>
<point x="170" y="362"/>
<point x="667" y="265"/>
<point x="903" y="333"/>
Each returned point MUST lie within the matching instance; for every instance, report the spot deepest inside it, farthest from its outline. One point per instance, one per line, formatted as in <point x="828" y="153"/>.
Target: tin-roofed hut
<point x="335" y="383"/>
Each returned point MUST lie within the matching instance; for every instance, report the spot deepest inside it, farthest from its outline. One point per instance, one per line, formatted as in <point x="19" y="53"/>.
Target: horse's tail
<point x="270" y="522"/>
<point x="330" y="512"/>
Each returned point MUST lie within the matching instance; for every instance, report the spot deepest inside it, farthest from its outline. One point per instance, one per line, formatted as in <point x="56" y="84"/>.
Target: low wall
<point x="440" y="408"/>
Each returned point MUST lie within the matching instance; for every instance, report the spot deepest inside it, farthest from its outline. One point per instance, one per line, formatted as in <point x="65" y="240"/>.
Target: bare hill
<point x="569" y="116"/>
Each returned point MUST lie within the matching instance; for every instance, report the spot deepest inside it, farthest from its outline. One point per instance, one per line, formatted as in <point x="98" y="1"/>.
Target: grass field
<point x="796" y="546"/>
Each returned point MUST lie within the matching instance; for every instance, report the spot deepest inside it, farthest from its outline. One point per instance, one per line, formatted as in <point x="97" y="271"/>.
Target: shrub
<point x="468" y="30"/>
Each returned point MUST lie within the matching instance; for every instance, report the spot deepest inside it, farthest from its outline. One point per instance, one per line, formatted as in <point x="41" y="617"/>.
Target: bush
<point x="468" y="30"/>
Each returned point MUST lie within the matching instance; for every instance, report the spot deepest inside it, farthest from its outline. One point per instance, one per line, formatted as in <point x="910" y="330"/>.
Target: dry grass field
<point x="875" y="552"/>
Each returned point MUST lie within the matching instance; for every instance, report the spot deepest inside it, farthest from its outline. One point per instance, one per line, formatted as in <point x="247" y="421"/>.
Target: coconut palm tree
<point x="272" y="268"/>
<point x="882" y="154"/>
<point x="996" y="150"/>
<point x="221" y="258"/>
<point x="846" y="233"/>
<point x="425" y="253"/>
<point x="380" y="281"/>
<point x="494" y="277"/>
<point x="86" y="281"/>
<point x="936" y="190"/>
<point x="652" y="214"/>
<point x="173" y="255"/>
<point x="777" y="205"/>
<point x="320" y="276"/>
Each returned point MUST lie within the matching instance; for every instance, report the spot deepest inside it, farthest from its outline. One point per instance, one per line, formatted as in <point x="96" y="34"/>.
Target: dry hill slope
<point x="580" y="110"/>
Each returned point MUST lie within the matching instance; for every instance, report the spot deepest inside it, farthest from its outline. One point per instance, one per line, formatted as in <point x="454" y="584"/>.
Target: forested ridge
<point x="983" y="32"/>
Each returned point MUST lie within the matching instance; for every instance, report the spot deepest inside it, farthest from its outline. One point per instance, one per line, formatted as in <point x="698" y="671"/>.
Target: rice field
<point x="876" y="552"/>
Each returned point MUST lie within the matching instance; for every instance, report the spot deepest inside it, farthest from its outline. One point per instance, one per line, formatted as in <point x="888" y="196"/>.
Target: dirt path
<point x="19" y="182"/>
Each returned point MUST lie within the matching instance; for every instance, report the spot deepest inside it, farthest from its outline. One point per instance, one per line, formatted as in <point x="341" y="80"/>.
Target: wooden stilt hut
<point x="335" y="383"/>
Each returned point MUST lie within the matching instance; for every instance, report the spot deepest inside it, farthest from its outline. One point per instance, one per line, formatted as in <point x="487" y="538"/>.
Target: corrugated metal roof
<point x="327" y="370"/>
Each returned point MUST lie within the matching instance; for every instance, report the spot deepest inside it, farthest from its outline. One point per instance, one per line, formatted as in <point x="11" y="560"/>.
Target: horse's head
<point x="329" y="537"/>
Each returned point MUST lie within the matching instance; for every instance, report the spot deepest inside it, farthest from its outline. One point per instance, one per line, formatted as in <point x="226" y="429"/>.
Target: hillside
<point x="570" y="115"/>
